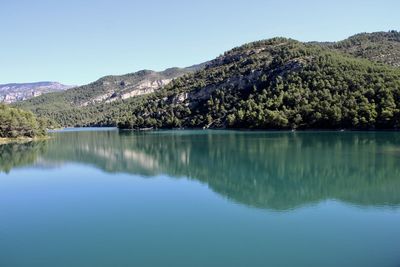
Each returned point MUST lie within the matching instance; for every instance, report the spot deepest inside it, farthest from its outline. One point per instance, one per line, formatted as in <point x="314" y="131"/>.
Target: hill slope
<point x="79" y="106"/>
<point x="13" y="92"/>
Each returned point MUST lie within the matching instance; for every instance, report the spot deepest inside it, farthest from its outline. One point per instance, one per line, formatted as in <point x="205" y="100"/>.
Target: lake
<point x="201" y="198"/>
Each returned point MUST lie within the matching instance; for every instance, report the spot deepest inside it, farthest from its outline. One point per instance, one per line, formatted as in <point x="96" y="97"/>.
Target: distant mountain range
<point x="278" y="83"/>
<point x="13" y="92"/>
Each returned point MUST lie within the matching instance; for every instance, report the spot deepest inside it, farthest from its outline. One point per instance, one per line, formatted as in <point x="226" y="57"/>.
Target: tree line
<point x="19" y="123"/>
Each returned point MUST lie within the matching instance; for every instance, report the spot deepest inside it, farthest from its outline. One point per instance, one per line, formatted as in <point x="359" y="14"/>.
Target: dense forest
<point x="272" y="84"/>
<point x="19" y="123"/>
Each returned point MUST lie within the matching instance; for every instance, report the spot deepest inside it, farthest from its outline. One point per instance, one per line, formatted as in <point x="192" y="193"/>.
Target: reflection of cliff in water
<point x="16" y="155"/>
<point x="275" y="170"/>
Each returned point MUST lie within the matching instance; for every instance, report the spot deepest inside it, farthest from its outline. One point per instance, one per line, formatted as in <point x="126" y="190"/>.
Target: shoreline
<point x="21" y="140"/>
<point x="108" y="128"/>
<point x="258" y="130"/>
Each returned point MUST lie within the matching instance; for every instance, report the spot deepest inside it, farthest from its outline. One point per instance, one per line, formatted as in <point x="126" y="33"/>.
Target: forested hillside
<point x="18" y="123"/>
<point x="272" y="84"/>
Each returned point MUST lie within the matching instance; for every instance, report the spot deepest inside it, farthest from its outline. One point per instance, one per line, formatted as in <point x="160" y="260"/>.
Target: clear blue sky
<point x="78" y="41"/>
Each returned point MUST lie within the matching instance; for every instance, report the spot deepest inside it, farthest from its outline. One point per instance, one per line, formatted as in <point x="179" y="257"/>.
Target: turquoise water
<point x="201" y="198"/>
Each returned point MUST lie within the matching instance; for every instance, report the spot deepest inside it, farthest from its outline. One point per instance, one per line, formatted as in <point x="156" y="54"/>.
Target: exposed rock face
<point x="142" y="88"/>
<point x="146" y="87"/>
<point x="98" y="99"/>
<point x="13" y="92"/>
<point x="127" y="87"/>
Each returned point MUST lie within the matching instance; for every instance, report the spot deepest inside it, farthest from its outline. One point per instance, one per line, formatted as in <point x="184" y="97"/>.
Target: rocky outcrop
<point x="145" y="87"/>
<point x="128" y="89"/>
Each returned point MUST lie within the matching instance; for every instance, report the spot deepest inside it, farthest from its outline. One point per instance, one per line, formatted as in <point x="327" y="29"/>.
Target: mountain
<point x="69" y="107"/>
<point x="13" y="92"/>
<point x="278" y="83"/>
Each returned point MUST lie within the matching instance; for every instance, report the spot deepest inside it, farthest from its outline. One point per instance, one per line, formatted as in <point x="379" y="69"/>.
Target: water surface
<point x="201" y="198"/>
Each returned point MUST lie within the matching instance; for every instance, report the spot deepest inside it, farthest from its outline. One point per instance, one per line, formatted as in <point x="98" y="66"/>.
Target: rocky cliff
<point x="13" y="92"/>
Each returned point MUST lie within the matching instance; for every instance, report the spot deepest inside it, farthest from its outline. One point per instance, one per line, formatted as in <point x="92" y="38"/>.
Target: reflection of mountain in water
<point x="275" y="170"/>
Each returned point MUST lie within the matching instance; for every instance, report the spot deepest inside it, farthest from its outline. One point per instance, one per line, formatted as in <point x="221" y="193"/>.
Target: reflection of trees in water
<point x="284" y="170"/>
<point x="20" y="154"/>
<point x="275" y="170"/>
